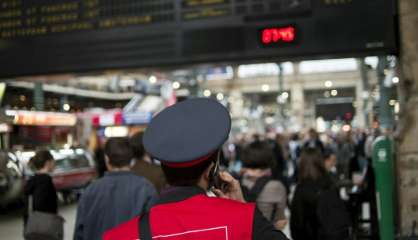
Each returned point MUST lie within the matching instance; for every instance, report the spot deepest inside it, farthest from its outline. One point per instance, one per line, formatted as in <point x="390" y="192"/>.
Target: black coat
<point x="43" y="193"/>
<point x="304" y="223"/>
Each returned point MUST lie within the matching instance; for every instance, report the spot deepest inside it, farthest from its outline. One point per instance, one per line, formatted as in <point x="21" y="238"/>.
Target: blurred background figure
<point x="330" y="161"/>
<point x="281" y="153"/>
<point x="40" y="189"/>
<point x="317" y="212"/>
<point x="96" y="147"/>
<point x="346" y="155"/>
<point x="259" y="185"/>
<point x="236" y="147"/>
<point x="295" y="148"/>
<point x="115" y="198"/>
<point x="313" y="140"/>
<point x="143" y="165"/>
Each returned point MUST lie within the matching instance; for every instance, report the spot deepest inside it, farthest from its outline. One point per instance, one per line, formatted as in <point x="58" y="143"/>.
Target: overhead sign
<point x="33" y="118"/>
<point x="38" y="37"/>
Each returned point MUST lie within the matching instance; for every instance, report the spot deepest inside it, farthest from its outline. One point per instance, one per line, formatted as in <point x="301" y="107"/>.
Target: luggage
<point x="43" y="226"/>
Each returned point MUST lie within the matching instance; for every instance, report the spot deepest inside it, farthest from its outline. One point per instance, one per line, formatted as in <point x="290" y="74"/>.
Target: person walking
<point x="314" y="141"/>
<point x="115" y="198"/>
<point x="317" y="212"/>
<point x="143" y="166"/>
<point x="260" y="186"/>
<point x="39" y="191"/>
<point x="186" y="138"/>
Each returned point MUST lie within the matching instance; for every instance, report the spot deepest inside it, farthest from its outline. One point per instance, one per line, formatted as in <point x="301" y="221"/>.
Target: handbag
<point x="42" y="225"/>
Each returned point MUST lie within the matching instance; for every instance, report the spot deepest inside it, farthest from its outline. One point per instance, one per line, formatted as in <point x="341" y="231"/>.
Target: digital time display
<point x="278" y="35"/>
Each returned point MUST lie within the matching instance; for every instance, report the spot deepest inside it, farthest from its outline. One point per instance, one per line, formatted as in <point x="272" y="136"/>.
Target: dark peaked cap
<point x="187" y="132"/>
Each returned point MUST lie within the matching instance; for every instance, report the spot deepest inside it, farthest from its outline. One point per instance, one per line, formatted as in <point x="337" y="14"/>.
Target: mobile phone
<point x="215" y="180"/>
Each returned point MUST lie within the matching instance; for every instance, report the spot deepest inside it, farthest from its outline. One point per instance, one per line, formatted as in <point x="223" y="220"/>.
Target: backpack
<point x="252" y="194"/>
<point x="333" y="218"/>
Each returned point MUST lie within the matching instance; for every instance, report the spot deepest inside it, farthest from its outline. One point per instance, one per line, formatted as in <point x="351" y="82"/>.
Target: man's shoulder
<point x="125" y="231"/>
<point x="132" y="179"/>
<point x="141" y="167"/>
<point x="141" y="181"/>
<point x="227" y="205"/>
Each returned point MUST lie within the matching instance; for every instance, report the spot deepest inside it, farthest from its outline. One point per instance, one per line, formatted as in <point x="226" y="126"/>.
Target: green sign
<point x="384" y="172"/>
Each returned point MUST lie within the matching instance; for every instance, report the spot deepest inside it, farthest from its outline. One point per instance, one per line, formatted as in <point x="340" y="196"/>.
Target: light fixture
<point x="328" y="84"/>
<point x="66" y="107"/>
<point x="116" y="131"/>
<point x="220" y="96"/>
<point x="176" y="85"/>
<point x="207" y="93"/>
<point x="397" y="107"/>
<point x="334" y="93"/>
<point x="152" y="79"/>
<point x="285" y="95"/>
<point x="392" y="102"/>
<point x="265" y="87"/>
<point x="346" y="128"/>
<point x="395" y="80"/>
<point x="269" y="120"/>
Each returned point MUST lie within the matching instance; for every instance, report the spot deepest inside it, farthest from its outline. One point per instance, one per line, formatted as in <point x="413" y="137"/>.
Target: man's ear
<point x="107" y="162"/>
<point x="206" y="174"/>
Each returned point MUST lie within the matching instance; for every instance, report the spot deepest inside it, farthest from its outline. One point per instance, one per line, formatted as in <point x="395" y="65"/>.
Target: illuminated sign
<point x="137" y="118"/>
<point x="33" y="118"/>
<point x="90" y="35"/>
<point x="278" y="35"/>
<point x="116" y="131"/>
<point x="5" y="128"/>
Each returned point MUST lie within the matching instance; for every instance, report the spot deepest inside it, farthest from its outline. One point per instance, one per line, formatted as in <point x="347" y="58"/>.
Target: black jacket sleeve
<point x="264" y="230"/>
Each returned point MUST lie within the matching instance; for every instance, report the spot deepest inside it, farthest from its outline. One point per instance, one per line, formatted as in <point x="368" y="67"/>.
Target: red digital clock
<point x="278" y="35"/>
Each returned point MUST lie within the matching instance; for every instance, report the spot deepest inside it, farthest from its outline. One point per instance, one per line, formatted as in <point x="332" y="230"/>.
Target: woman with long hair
<point x="317" y="212"/>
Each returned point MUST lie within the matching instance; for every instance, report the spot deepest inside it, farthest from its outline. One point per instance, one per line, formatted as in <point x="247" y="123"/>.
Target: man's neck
<point x="120" y="169"/>
<point x="42" y="171"/>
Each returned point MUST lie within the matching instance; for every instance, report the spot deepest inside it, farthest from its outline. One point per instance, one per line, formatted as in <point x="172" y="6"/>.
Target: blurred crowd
<point x="312" y="183"/>
<point x="306" y="165"/>
<point x="350" y="152"/>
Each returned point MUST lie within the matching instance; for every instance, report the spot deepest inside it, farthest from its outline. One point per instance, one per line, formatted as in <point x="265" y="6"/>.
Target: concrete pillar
<point x="361" y="87"/>
<point x="385" y="110"/>
<point x="236" y="104"/>
<point x="297" y="99"/>
<point x="407" y="165"/>
<point x="38" y="96"/>
<point x="235" y="95"/>
<point x="360" y="116"/>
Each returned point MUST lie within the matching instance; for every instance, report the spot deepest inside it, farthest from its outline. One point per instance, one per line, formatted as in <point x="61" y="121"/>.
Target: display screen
<point x="55" y="36"/>
<point x="276" y="36"/>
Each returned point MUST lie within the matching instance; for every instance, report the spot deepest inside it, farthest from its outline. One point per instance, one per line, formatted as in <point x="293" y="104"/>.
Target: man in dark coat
<point x="115" y="198"/>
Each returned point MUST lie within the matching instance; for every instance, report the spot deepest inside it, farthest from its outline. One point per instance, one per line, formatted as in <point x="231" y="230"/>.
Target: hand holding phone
<point x="218" y="183"/>
<point x="231" y="188"/>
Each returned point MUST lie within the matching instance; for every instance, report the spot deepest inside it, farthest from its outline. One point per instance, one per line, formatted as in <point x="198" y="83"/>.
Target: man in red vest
<point x="186" y="138"/>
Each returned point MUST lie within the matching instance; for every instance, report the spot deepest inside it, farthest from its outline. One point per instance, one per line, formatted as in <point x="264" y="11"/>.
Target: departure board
<point x="53" y="36"/>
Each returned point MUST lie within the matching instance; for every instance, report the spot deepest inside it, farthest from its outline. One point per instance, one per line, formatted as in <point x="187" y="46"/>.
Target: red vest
<point x="197" y="218"/>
